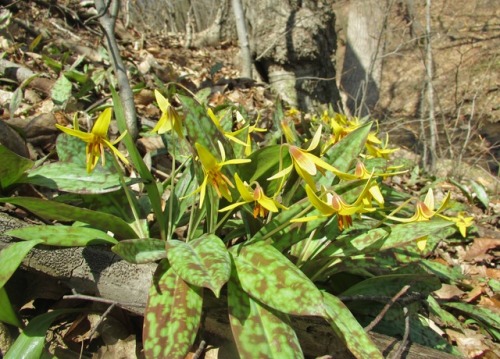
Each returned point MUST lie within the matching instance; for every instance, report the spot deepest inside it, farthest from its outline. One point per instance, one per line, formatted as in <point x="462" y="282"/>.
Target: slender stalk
<point x="430" y="89"/>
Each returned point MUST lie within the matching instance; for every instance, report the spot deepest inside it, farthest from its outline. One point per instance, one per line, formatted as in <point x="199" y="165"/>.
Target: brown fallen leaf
<point x="478" y="251"/>
<point x="448" y="292"/>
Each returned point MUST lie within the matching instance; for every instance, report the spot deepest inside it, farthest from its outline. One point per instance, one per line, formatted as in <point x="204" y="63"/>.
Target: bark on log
<point x="99" y="272"/>
<point x="20" y="73"/>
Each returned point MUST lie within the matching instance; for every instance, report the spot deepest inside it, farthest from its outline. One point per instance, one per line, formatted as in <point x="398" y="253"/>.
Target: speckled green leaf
<point x="268" y="276"/>
<point x="200" y="128"/>
<point x="12" y="167"/>
<point x="65" y="213"/>
<point x="389" y="285"/>
<point x="260" y="331"/>
<point x="349" y="330"/>
<point x="203" y="262"/>
<point x="344" y="153"/>
<point x="64" y="236"/>
<point x="446" y="318"/>
<point x="11" y="256"/>
<point x="483" y="315"/>
<point x="145" y="250"/>
<point x="380" y="239"/>
<point x="172" y="317"/>
<point x="73" y="178"/>
<point x="7" y="313"/>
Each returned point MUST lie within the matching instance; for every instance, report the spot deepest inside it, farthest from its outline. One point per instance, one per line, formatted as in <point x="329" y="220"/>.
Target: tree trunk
<point x="294" y="44"/>
<point x="362" y="67"/>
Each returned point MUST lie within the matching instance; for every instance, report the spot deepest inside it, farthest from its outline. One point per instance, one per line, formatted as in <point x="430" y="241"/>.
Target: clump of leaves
<point x="269" y="227"/>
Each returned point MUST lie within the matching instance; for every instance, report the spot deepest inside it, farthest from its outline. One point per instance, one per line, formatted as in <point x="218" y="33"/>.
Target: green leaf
<point x="172" y="317"/>
<point x="384" y="238"/>
<point x="445" y="317"/>
<point x="260" y="331"/>
<point x="65" y="213"/>
<point x="265" y="163"/>
<point x="77" y="76"/>
<point x="15" y="101"/>
<point x="30" y="343"/>
<point x="481" y="194"/>
<point x="203" y="262"/>
<point x="268" y="276"/>
<point x="11" y="256"/>
<point x="61" y="91"/>
<point x="390" y="285"/>
<point x="64" y="236"/>
<point x="7" y="313"/>
<point x="343" y="154"/>
<point x="13" y="167"/>
<point x="201" y="129"/>
<point x="73" y="178"/>
<point x="139" y="251"/>
<point x="348" y="329"/>
<point x="483" y="315"/>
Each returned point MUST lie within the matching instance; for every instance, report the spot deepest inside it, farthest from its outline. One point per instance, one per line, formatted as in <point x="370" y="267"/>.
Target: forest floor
<point x="48" y="39"/>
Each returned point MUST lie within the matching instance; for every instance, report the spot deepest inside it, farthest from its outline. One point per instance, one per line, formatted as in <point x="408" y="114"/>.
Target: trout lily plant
<point x="269" y="229"/>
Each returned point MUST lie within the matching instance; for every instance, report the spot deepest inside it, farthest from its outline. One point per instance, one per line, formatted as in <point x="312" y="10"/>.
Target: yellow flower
<point x="97" y="139"/>
<point x="229" y="135"/>
<point x="379" y="151"/>
<point x="262" y="203"/>
<point x="306" y="164"/>
<point x="334" y="204"/>
<point x="212" y="170"/>
<point x="424" y="212"/>
<point x="169" y="119"/>
<point x="461" y="222"/>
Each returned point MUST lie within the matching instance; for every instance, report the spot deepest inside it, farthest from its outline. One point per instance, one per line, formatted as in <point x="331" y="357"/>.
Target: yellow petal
<point x="87" y="137"/>
<point x="323" y="207"/>
<point x="242" y="189"/>
<point x="207" y="160"/>
<point x="421" y="243"/>
<point x="163" y="125"/>
<point x="315" y="140"/>
<point x="116" y="152"/>
<point x="101" y="126"/>
<point x="429" y="199"/>
<point x="281" y="173"/>
<point x="303" y="159"/>
<point x="268" y="204"/>
<point x="163" y="103"/>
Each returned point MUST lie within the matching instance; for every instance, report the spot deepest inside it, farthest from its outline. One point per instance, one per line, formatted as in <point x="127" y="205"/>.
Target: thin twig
<point x="386" y="308"/>
<point x="100" y="300"/>
<point x="402" y="346"/>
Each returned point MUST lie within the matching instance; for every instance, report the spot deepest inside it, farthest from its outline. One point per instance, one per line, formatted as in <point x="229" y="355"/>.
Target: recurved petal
<point x="323" y="207"/>
<point x="85" y="136"/>
<point x="242" y="189"/>
<point x="101" y="126"/>
<point x="303" y="159"/>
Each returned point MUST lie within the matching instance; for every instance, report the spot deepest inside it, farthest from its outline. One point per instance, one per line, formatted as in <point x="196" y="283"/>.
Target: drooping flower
<point x="461" y="222"/>
<point x="97" y="139"/>
<point x="228" y="134"/>
<point x="262" y="203"/>
<point x="307" y="164"/>
<point x="333" y="204"/>
<point x="424" y="212"/>
<point x="213" y="174"/>
<point x="169" y="119"/>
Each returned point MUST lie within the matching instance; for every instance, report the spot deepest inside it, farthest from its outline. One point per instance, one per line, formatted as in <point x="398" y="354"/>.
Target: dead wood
<point x="20" y="74"/>
<point x="99" y="272"/>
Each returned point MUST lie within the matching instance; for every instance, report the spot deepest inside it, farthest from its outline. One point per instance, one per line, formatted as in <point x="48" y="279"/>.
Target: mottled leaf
<point x="445" y="317"/>
<point x="61" y="91"/>
<point x="389" y="285"/>
<point x="29" y="344"/>
<point x="145" y="250"/>
<point x="348" y="329"/>
<point x="268" y="276"/>
<point x="343" y="154"/>
<point x="51" y="210"/>
<point x="203" y="262"/>
<point x="64" y="236"/>
<point x="74" y="178"/>
<point x="483" y="315"/>
<point x="172" y="316"/>
<point x="481" y="194"/>
<point x="380" y="239"/>
<point x="12" y="167"/>
<point x="260" y="331"/>
<point x="11" y="256"/>
<point x="7" y="313"/>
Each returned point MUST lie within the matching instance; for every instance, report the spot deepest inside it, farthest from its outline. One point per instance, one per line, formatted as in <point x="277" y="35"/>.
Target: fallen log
<point x="20" y="74"/>
<point x="99" y="272"/>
